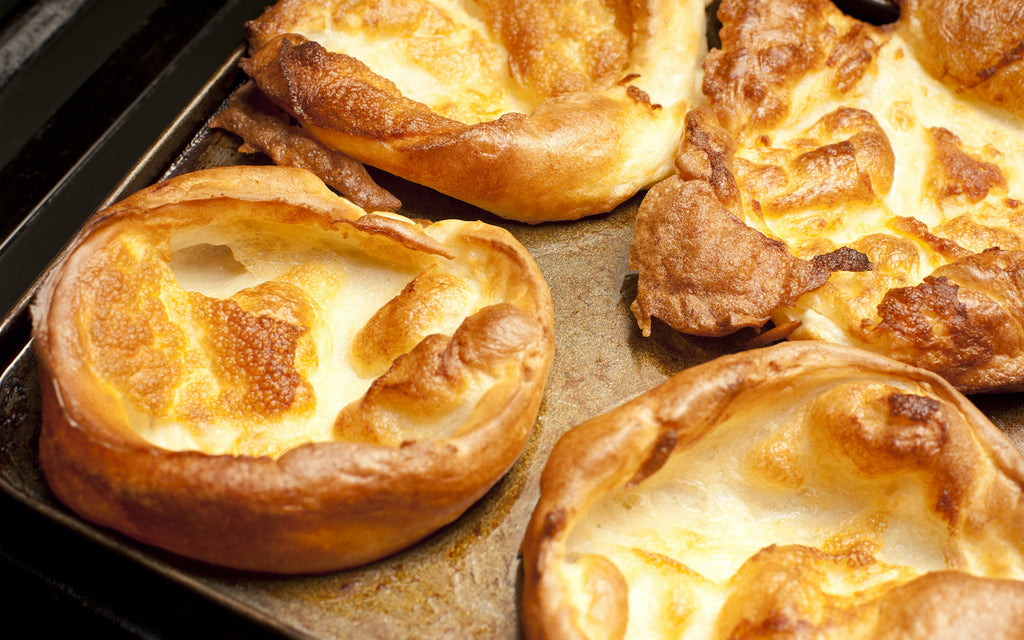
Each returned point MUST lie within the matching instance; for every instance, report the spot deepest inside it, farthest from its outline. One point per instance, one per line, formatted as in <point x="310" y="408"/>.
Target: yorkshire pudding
<point x="852" y="183"/>
<point x="805" y="489"/>
<point x="241" y="367"/>
<point x="531" y="110"/>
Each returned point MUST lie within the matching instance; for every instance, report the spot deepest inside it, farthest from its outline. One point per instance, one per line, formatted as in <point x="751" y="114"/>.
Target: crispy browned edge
<point x="265" y="129"/>
<point x="974" y="344"/>
<point x="974" y="46"/>
<point x="552" y="164"/>
<point x="320" y="506"/>
<point x="629" y="443"/>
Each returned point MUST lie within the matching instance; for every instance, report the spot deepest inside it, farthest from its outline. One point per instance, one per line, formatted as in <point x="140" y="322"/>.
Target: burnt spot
<point x="913" y="407"/>
<point x="903" y="310"/>
<point x="640" y="96"/>
<point x="1007" y="58"/>
<point x="946" y="506"/>
<point x="956" y="172"/>
<point x="554" y="522"/>
<point x="932" y="321"/>
<point x="842" y="259"/>
<point x="920" y="429"/>
<point x="659" y="455"/>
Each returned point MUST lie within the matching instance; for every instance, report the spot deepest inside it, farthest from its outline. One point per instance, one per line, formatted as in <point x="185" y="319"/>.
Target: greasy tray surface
<point x="464" y="580"/>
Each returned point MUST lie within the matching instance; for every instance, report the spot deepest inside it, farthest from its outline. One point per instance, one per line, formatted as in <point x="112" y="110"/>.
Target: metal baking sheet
<point x="465" y="580"/>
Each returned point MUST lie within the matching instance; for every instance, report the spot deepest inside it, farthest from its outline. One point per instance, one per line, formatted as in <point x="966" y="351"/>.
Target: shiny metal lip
<point x="463" y="580"/>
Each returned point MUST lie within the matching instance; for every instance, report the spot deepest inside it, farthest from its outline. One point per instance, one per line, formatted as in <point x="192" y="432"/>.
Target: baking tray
<point x="465" y="580"/>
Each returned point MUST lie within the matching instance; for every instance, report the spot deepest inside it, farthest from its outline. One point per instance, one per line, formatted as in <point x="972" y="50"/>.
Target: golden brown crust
<point x="723" y="275"/>
<point x="965" y="321"/>
<point x="702" y="269"/>
<point x="430" y="380"/>
<point x="265" y="129"/>
<point x="191" y="349"/>
<point x="758" y="493"/>
<point x="769" y="50"/>
<point x="515" y="124"/>
<point x="825" y="136"/>
<point x="975" y="47"/>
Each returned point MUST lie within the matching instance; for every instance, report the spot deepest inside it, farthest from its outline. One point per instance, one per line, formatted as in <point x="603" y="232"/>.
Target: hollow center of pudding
<point x="251" y="341"/>
<point x="473" y="63"/>
<point x="838" y="489"/>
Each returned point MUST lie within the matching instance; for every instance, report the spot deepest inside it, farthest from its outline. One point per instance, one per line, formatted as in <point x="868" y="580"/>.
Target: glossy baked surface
<point x="840" y="188"/>
<point x="805" y="486"/>
<point x="241" y="349"/>
<point x="529" y="110"/>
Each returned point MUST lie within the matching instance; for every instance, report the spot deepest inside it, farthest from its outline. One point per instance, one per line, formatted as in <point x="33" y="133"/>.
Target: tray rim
<point x="16" y="345"/>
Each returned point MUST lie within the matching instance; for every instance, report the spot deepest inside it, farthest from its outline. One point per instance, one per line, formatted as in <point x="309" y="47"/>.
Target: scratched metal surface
<point x="465" y="580"/>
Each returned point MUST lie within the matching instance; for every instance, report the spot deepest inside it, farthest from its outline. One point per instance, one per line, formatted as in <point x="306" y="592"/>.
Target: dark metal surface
<point x="461" y="582"/>
<point x="72" y="163"/>
<point x="78" y="73"/>
<point x="872" y="11"/>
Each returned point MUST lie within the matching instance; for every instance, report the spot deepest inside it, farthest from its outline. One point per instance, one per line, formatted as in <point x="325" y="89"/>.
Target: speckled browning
<point x="812" y="491"/>
<point x="824" y="134"/>
<point x="531" y="110"/>
<point x="224" y="420"/>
